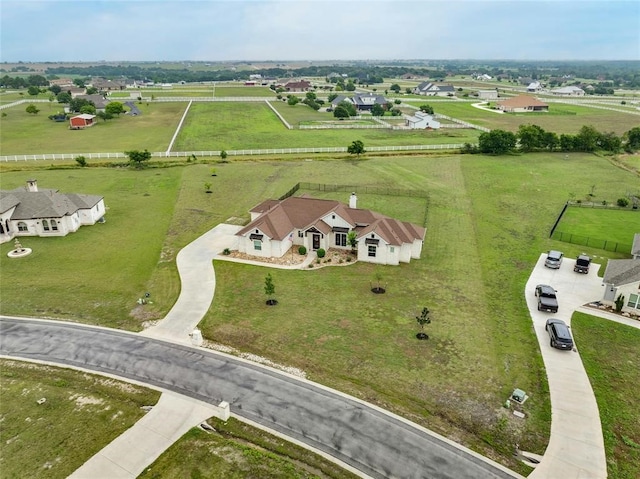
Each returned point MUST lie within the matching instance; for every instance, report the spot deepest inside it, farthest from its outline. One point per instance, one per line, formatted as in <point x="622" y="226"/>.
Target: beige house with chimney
<point x="29" y="211"/>
<point x="278" y="225"/>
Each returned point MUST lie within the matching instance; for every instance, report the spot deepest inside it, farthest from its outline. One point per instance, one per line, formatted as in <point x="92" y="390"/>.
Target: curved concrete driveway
<point x="197" y="282"/>
<point x="576" y="445"/>
<point x="378" y="444"/>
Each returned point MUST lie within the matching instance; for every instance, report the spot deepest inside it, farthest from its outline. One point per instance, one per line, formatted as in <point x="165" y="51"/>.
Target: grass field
<point x="82" y="414"/>
<point x="567" y="118"/>
<point x="236" y="451"/>
<point x="614" y="377"/>
<point x="488" y="220"/>
<point x="238" y="126"/>
<point x="610" y="229"/>
<point x="21" y="133"/>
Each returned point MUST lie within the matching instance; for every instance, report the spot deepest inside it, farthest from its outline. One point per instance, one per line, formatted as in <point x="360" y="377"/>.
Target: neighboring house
<point x="522" y="103"/>
<point x="278" y="225"/>
<point x="302" y="85"/>
<point x="568" y="91"/>
<point x="362" y="101"/>
<point x="433" y="89"/>
<point x="488" y="94"/>
<point x="82" y="121"/>
<point x="483" y="77"/>
<point x="75" y="91"/>
<point x="27" y="211"/>
<point x="98" y="100"/>
<point x="102" y="84"/>
<point x="622" y="277"/>
<point x="534" y="87"/>
<point x="61" y="82"/>
<point x="421" y="120"/>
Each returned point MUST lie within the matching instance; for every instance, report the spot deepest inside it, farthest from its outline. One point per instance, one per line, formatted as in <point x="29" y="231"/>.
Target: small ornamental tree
<point x="32" y="110"/>
<point x="270" y="290"/>
<point x="422" y="320"/>
<point x="223" y="155"/>
<point x="428" y="109"/>
<point x="356" y="148"/>
<point x="352" y="240"/>
<point x="82" y="161"/>
<point x="619" y="302"/>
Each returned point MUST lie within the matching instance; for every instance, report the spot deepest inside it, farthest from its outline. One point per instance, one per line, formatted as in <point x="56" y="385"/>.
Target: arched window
<point x="54" y="225"/>
<point x="45" y="225"/>
<point x="22" y="226"/>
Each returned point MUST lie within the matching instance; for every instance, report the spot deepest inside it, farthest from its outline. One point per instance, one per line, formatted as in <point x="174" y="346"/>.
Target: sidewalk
<point x="132" y="452"/>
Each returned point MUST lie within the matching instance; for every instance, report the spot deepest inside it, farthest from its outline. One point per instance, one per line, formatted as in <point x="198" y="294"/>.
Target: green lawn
<point x="82" y="414"/>
<point x="614" y="377"/>
<point x="238" y="451"/>
<point x="21" y="133"/>
<point x="488" y="219"/>
<point x="96" y="274"/>
<point x="237" y="126"/>
<point x="610" y="229"/>
<point x="566" y="119"/>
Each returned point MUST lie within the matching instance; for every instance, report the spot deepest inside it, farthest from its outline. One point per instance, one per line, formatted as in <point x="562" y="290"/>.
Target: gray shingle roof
<point x="622" y="271"/>
<point x="45" y="203"/>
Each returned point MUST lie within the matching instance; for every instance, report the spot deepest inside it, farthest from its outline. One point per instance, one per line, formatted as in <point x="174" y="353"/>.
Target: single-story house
<point x="362" y="101"/>
<point x="483" y="77"/>
<point x="61" y="82"/>
<point x="79" y="122"/>
<point x="98" y="100"/>
<point x="488" y="94"/>
<point x="568" y="91"/>
<point x="622" y="277"/>
<point x="28" y="211"/>
<point x="302" y="85"/>
<point x="102" y="84"/>
<point x="421" y="120"/>
<point x="278" y="225"/>
<point x="522" y="103"/>
<point x="433" y="89"/>
<point x="76" y="91"/>
<point x="534" y="87"/>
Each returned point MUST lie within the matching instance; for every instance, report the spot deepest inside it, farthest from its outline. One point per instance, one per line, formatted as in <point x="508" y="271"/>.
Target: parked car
<point x="554" y="259"/>
<point x="547" y="300"/>
<point x="559" y="335"/>
<point x="582" y="264"/>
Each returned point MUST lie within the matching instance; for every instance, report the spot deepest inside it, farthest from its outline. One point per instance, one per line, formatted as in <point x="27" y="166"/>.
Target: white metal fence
<point x="185" y="154"/>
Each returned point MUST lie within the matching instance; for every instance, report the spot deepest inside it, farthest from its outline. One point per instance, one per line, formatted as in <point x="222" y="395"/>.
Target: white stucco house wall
<point x="278" y="225"/>
<point x="30" y="211"/>
<point x="622" y="277"/>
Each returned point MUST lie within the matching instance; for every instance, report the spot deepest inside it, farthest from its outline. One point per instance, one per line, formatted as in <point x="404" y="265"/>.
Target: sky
<point x="266" y="30"/>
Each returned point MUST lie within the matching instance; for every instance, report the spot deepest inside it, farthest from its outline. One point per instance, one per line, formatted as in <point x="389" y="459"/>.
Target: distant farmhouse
<point x="534" y="87"/>
<point x="28" y="211"/>
<point x="568" y="91"/>
<point x="362" y="101"/>
<point x="433" y="89"/>
<point x="297" y="86"/>
<point x="278" y="225"/>
<point x="102" y="84"/>
<point x="421" y="121"/>
<point x="521" y="104"/>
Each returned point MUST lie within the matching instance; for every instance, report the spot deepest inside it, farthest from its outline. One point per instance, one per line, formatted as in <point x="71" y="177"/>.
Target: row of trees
<point x="534" y="138"/>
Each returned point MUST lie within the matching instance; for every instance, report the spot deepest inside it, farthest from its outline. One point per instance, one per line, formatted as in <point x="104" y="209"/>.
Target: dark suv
<point x="559" y="335"/>
<point x="547" y="300"/>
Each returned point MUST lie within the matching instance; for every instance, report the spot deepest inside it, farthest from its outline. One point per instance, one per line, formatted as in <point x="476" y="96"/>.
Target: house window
<point x="634" y="301"/>
<point x="372" y="251"/>
<point x="257" y="245"/>
<point x="22" y="226"/>
<point x="54" y="225"/>
<point x="341" y="239"/>
<point x="391" y="249"/>
<point x="300" y="234"/>
<point x="45" y="225"/>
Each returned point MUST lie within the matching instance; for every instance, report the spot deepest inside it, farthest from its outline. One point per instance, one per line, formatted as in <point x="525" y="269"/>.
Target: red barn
<point x="81" y="121"/>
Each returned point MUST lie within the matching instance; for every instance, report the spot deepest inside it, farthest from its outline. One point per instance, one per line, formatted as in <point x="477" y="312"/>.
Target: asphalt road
<point x="377" y="443"/>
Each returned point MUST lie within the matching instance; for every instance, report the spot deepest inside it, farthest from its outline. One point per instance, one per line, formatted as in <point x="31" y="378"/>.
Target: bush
<point x="622" y="202"/>
<point x="82" y="161"/>
<point x="226" y="251"/>
<point x="302" y="250"/>
<point x="321" y="252"/>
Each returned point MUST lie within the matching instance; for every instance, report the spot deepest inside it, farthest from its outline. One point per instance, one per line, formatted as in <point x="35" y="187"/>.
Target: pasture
<point x="22" y="133"/>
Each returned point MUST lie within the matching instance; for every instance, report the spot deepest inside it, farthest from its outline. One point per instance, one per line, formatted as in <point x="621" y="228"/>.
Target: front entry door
<point x="316" y="242"/>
